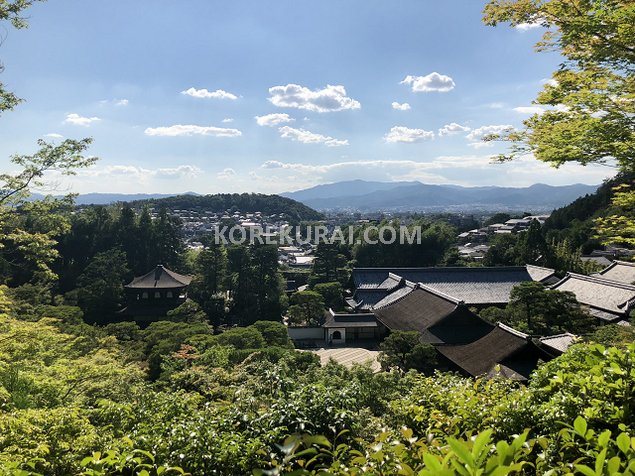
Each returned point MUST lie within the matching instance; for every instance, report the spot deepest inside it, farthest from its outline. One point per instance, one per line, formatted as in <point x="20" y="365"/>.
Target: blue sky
<point x="273" y="96"/>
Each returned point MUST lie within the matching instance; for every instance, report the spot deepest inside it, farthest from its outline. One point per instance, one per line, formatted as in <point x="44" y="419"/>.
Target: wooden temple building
<point x="151" y="296"/>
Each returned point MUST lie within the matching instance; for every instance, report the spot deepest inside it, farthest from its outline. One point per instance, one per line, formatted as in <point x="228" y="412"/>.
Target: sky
<point x="274" y="95"/>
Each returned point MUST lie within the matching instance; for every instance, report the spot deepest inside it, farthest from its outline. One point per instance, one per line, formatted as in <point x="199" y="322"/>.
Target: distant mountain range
<point x="360" y="195"/>
<point x="108" y="198"/>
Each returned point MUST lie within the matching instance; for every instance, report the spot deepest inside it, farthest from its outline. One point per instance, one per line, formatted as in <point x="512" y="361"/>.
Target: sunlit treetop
<point x="589" y="113"/>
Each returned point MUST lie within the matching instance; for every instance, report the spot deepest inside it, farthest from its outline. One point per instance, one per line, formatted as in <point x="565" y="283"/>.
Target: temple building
<point x="151" y="296"/>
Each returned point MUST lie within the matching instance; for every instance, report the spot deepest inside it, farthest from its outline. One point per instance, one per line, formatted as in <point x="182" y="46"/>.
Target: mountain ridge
<point x="361" y="195"/>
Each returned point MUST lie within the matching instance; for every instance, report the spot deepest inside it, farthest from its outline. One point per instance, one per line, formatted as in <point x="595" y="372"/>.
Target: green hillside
<point x="244" y="202"/>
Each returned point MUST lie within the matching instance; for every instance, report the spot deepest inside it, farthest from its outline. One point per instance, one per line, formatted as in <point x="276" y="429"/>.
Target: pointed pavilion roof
<point x="160" y="278"/>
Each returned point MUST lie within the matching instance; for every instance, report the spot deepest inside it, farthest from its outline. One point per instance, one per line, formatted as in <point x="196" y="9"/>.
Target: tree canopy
<point x="589" y="106"/>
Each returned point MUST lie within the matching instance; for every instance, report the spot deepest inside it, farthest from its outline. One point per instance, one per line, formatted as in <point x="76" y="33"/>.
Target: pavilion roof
<point x="160" y="278"/>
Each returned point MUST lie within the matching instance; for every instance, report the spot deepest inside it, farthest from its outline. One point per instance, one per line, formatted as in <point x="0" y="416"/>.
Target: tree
<point x="12" y="11"/>
<point x="532" y="247"/>
<point x="101" y="291"/>
<point x="497" y="218"/>
<point x="590" y="115"/>
<point x="330" y="264"/>
<point x="28" y="231"/>
<point x="267" y="283"/>
<point x="541" y="311"/>
<point x="591" y="95"/>
<point x="403" y="349"/>
<point x="274" y="333"/>
<point x="619" y="226"/>
<point x="307" y="308"/>
<point x="331" y="293"/>
<point x="207" y="287"/>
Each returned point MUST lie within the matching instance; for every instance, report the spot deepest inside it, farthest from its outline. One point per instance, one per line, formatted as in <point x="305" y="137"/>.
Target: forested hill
<point x="574" y="222"/>
<point x="244" y="202"/>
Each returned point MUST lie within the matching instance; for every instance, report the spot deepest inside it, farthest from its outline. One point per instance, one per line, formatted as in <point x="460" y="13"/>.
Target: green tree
<point x="501" y="251"/>
<point x="28" y="231"/>
<point x="267" y="283"/>
<point x="618" y="227"/>
<point x="590" y="100"/>
<point x="331" y="293"/>
<point x="531" y="246"/>
<point x="402" y="349"/>
<point x="307" y="308"/>
<point x="538" y="310"/>
<point x="101" y="290"/>
<point x="330" y="264"/>
<point x="274" y="333"/>
<point x="208" y="285"/>
<point x="589" y="115"/>
<point x="497" y="218"/>
<point x="12" y="11"/>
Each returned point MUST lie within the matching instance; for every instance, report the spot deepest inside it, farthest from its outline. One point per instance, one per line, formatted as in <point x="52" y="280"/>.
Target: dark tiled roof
<point x="160" y="278"/>
<point x="621" y="271"/>
<point x="367" y="298"/>
<point x="474" y="286"/>
<point x="439" y="318"/>
<point x="608" y="300"/>
<point x="503" y="351"/>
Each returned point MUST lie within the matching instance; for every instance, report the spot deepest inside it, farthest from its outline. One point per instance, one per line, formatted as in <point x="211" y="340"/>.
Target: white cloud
<point x="433" y="82"/>
<point x="77" y="120"/>
<point x="271" y="120"/>
<point x="54" y="135"/>
<point x="528" y="26"/>
<point x="391" y="166"/>
<point x="121" y="102"/>
<point x="550" y="82"/>
<point x="401" y="107"/>
<point x="481" y="145"/>
<point x="306" y="137"/>
<point x="142" y="174"/>
<point x="496" y="105"/>
<point x="405" y="134"/>
<point x="190" y="130"/>
<point x="205" y="94"/>
<point x="227" y="173"/>
<point x="478" y="134"/>
<point x="227" y="120"/>
<point x="452" y="128"/>
<point x="529" y="110"/>
<point x="329" y="99"/>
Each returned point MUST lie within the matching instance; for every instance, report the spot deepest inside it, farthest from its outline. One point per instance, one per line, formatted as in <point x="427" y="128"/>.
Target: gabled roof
<point x="559" y="343"/>
<point x="503" y="351"/>
<point x="349" y="320"/>
<point x="438" y="317"/>
<point x="474" y="286"/>
<point x="540" y="274"/>
<point x="607" y="299"/>
<point x="621" y="271"/>
<point x="160" y="278"/>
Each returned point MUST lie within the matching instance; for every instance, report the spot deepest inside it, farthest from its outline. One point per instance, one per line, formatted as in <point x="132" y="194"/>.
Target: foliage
<point x="29" y="230"/>
<point x="618" y="227"/>
<point x="613" y="335"/>
<point x="12" y="11"/>
<point x="591" y="96"/>
<point x="403" y="350"/>
<point x="307" y="308"/>
<point x="331" y="293"/>
<point x="290" y="209"/>
<point x="436" y="239"/>
<point x="541" y="311"/>
<point x="101" y="291"/>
